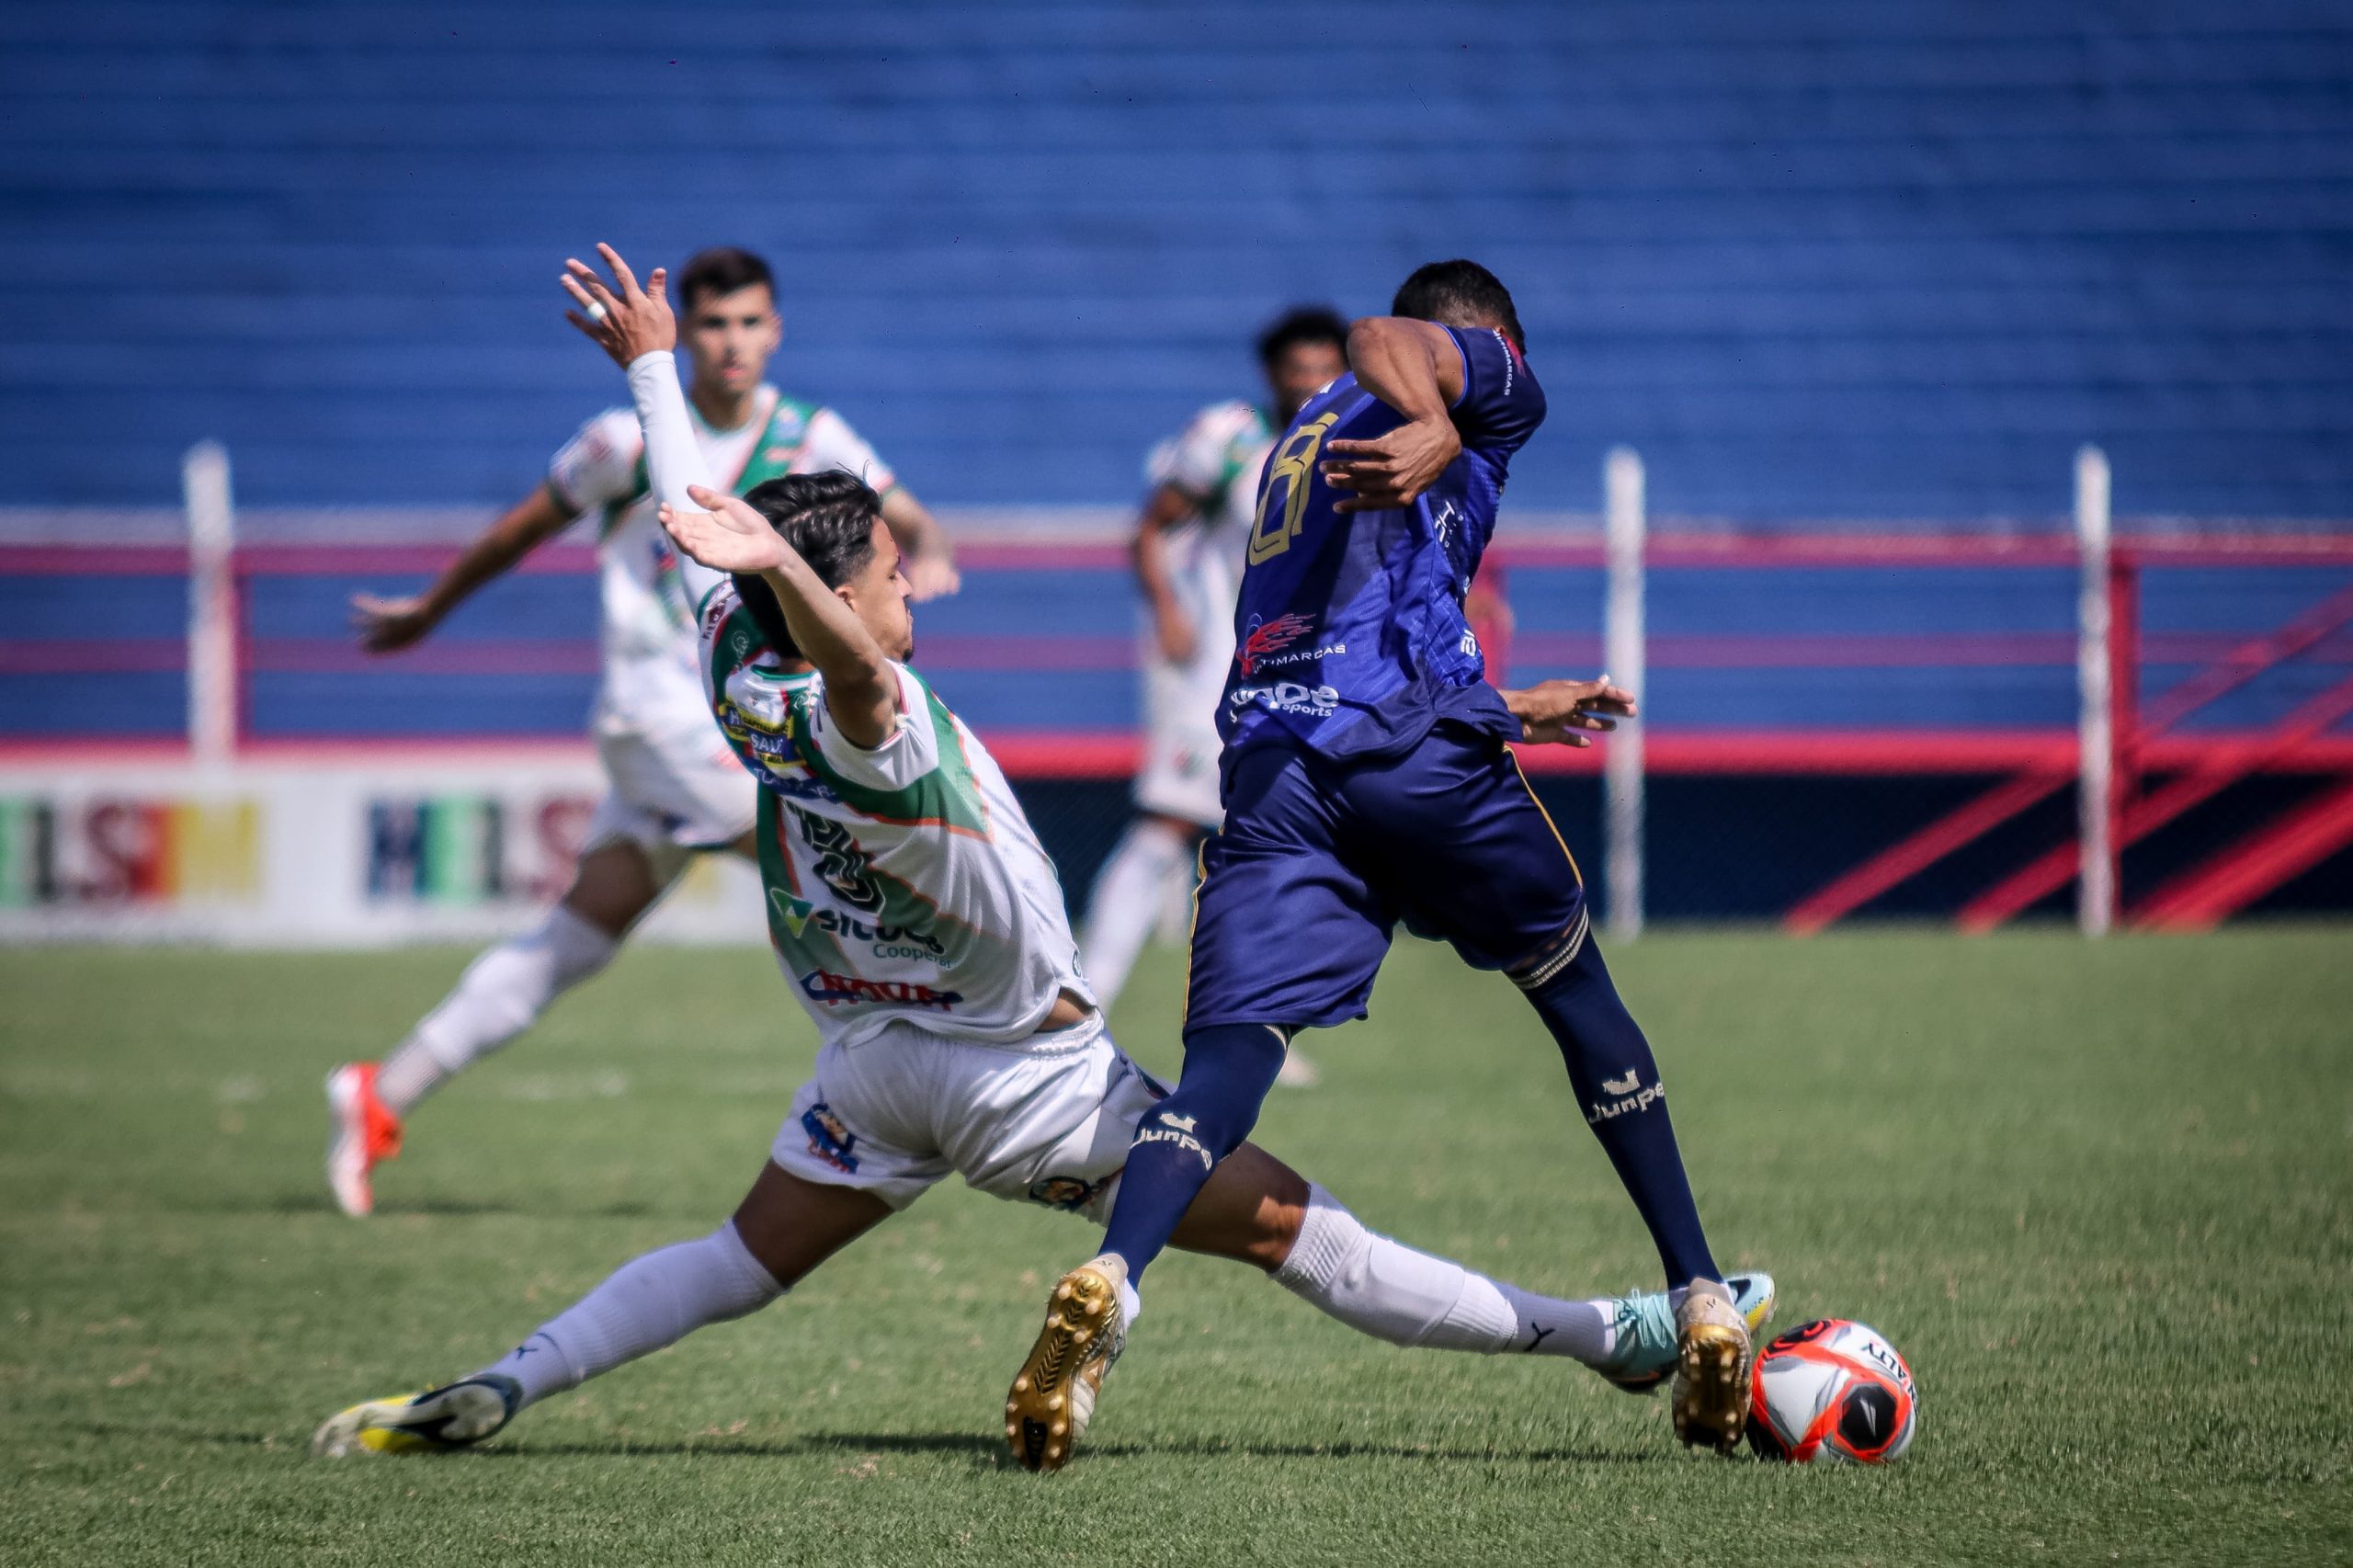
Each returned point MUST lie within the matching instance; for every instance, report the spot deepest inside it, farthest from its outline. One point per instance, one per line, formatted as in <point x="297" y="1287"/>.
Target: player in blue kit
<point x="1367" y="782"/>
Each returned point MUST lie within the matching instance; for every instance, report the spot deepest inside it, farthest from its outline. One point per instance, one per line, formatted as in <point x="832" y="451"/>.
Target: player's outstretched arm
<point x="386" y="625"/>
<point x="928" y="558"/>
<point x="1415" y="367"/>
<point x="728" y="536"/>
<point x="1555" y="712"/>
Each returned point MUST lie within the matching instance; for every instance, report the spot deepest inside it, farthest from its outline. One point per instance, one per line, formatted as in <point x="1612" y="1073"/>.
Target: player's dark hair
<point x="1459" y="293"/>
<point x="723" y="269"/>
<point x="1303" y="324"/>
<point x="828" y="518"/>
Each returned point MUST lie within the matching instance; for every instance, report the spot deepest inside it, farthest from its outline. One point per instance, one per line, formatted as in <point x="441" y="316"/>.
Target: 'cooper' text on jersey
<point x="1350" y="636"/>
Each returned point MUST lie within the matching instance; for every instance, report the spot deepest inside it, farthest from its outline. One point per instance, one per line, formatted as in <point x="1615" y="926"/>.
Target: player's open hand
<point x="1394" y="469"/>
<point x="622" y="318"/>
<point x="1560" y="712"/>
<point x="932" y="574"/>
<point x="730" y="536"/>
<point x="386" y="626"/>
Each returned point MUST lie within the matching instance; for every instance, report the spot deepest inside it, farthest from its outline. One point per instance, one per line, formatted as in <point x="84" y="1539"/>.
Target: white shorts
<point x="671" y="796"/>
<point x="907" y="1109"/>
<point x="1181" y="744"/>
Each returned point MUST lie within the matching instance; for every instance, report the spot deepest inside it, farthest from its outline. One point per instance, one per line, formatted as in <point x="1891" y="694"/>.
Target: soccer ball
<point x="1831" y="1390"/>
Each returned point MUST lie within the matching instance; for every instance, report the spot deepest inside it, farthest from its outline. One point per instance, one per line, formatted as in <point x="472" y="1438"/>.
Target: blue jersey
<point x="1350" y="638"/>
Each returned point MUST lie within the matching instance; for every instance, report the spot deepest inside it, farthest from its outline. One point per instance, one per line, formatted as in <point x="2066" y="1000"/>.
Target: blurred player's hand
<point x="386" y="626"/>
<point x="1179" y="639"/>
<point x="1554" y="712"/>
<point x="931" y="574"/>
<point x="623" y="320"/>
<point x="1394" y="469"/>
<point x="731" y="537"/>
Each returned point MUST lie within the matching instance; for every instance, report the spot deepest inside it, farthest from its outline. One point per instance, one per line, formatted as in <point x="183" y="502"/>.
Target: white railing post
<point x="1622" y="767"/>
<point x="2094" y="678"/>
<point x="211" y="621"/>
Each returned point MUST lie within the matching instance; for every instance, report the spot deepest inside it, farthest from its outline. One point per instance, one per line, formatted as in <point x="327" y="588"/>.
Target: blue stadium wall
<point x="1880" y="262"/>
<point x="1816" y="258"/>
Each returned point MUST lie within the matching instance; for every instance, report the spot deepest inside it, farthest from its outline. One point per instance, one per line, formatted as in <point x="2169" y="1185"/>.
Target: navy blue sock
<point x="1618" y="1087"/>
<point x="1228" y="1070"/>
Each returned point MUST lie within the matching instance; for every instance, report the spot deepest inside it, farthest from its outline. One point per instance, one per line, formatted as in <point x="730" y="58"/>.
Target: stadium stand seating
<point x="1826" y="258"/>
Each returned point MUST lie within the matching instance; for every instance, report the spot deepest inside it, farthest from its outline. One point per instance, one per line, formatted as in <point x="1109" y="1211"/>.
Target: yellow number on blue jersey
<point x="1290" y="468"/>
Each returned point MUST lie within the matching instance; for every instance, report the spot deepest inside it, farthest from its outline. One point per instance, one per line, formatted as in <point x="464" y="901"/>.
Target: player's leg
<point x="833" y="1173"/>
<point x="1285" y="932"/>
<point x="1288" y="935"/>
<point x="1126" y="903"/>
<point x="502" y="994"/>
<point x="785" y="1227"/>
<point x="1476" y="858"/>
<point x="1256" y="1209"/>
<point x="667" y="799"/>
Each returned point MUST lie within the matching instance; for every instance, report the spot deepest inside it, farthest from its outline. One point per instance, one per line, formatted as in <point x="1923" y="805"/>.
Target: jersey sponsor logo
<point x="1070" y="1193"/>
<point x="797" y="785"/>
<point x="793" y="912"/>
<point x="1286" y="697"/>
<point x="841" y="862"/>
<point x="829" y="1140"/>
<point x="886" y="941"/>
<point x="751" y="703"/>
<point x="824" y="985"/>
<point x="1267" y="637"/>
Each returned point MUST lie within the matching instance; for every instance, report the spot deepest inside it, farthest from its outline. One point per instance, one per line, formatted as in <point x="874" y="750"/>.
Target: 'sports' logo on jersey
<point x="828" y="1139"/>
<point x="1266" y="637"/>
<point x="1288" y="696"/>
<point x="824" y="985"/>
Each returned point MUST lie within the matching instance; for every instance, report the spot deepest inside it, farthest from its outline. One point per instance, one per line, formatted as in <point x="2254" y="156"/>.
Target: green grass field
<point x="2099" y="1196"/>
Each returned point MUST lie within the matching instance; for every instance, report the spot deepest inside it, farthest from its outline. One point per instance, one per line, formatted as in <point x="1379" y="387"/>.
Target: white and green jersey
<point x="1215" y="462"/>
<point x="650" y="685"/>
<point x="904" y="881"/>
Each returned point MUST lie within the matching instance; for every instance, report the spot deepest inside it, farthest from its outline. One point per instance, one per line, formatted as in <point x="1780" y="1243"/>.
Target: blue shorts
<point x="1321" y="858"/>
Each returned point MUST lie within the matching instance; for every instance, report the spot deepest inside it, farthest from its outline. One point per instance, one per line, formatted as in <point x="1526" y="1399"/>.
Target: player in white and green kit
<point x="1190" y="543"/>
<point x="921" y="927"/>
<point x="674" y="790"/>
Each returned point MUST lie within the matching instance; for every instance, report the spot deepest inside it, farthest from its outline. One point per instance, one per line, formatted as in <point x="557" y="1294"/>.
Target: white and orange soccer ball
<point x="1835" y="1390"/>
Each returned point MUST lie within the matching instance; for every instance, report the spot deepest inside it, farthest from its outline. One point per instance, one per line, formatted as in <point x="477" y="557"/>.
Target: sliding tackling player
<point x="673" y="789"/>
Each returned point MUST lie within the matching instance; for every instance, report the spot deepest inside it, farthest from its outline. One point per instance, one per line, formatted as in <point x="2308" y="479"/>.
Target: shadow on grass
<point x="319" y="1203"/>
<point x="980" y="1450"/>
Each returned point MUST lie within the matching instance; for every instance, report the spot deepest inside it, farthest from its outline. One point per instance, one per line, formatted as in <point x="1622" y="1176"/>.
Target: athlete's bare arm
<point x="1168" y="507"/>
<point x="384" y="625"/>
<point x="1415" y="367"/>
<point x="925" y="554"/>
<point x="861" y="686"/>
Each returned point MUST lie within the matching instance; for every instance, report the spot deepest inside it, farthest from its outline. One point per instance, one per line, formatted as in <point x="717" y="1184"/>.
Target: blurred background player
<point x="1188" y="547"/>
<point x="674" y="788"/>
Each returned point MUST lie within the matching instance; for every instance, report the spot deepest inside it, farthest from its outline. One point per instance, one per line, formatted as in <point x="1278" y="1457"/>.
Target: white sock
<point x="646" y="1304"/>
<point x="1388" y="1290"/>
<point x="502" y="994"/>
<point x="1125" y="902"/>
